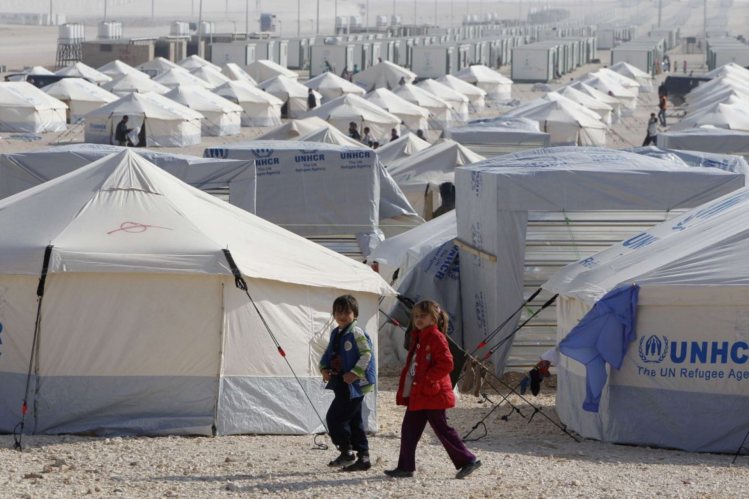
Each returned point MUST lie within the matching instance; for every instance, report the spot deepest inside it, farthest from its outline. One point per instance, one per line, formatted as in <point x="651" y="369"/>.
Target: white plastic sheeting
<point x="25" y="108"/>
<point x="137" y="279"/>
<point x="195" y="61"/>
<point x="495" y="196"/>
<point x="293" y="129"/>
<point x="708" y="139"/>
<point x="235" y="72"/>
<point x="732" y="114"/>
<point x="499" y="135"/>
<point x="259" y="108"/>
<point x="644" y="79"/>
<point x="117" y="68"/>
<point x="157" y="66"/>
<point x="210" y="75"/>
<point x="602" y="109"/>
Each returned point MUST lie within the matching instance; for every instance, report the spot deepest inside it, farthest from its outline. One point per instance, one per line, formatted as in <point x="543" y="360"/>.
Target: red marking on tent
<point x="135" y="228"/>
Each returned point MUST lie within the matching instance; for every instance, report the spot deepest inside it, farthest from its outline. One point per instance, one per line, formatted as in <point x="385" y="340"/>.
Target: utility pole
<point x="105" y="10"/>
<point x="660" y="10"/>
<point x="298" y="18"/>
<point x="153" y="9"/>
<point x="200" y="28"/>
<point x="247" y="19"/>
<point x="317" y="24"/>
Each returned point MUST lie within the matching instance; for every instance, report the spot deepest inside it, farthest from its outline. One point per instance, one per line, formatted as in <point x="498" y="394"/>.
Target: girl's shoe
<point x="468" y="469"/>
<point x="344" y="459"/>
<point x="361" y="464"/>
<point x="399" y="473"/>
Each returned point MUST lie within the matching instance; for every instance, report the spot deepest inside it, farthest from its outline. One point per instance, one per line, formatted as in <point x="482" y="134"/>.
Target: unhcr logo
<point x="262" y="153"/>
<point x="653" y="348"/>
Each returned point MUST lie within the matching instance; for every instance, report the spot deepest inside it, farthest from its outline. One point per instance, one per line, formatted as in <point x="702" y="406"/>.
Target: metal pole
<point x="200" y="28"/>
<point x="105" y="10"/>
<point x="660" y="9"/>
<point x="247" y="18"/>
<point x="335" y="17"/>
<point x="227" y="9"/>
<point x="414" y="12"/>
<point x="317" y="23"/>
<point x="153" y="9"/>
<point x="366" y="26"/>
<point x="435" y="12"/>
<point x="298" y="18"/>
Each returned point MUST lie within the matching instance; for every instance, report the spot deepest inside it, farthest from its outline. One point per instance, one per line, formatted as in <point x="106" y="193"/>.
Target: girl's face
<point x="423" y="319"/>
<point x="343" y="318"/>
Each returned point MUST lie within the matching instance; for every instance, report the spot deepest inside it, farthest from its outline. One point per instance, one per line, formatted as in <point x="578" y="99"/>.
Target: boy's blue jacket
<point x="355" y="348"/>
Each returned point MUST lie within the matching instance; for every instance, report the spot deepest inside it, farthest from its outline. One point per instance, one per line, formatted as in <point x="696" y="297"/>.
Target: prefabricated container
<point x="432" y="61"/>
<point x="338" y="57"/>
<point x="242" y="53"/>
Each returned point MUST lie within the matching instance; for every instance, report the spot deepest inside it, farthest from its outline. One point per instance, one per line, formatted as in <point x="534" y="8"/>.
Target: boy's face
<point x="343" y="318"/>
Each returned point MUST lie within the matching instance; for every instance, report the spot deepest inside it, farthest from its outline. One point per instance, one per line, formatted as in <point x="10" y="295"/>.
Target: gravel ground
<point x="521" y="459"/>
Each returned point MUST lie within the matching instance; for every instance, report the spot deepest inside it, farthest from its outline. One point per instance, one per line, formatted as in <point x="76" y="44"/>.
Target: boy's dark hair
<point x="346" y="303"/>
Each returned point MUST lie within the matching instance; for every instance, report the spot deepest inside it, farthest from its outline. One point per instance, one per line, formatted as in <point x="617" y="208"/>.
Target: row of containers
<point x="646" y="52"/>
<point x="549" y="59"/>
<point x="721" y="51"/>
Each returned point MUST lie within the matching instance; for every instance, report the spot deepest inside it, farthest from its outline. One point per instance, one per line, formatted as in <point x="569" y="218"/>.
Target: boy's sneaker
<point x="468" y="469"/>
<point x="344" y="459"/>
<point x="399" y="473"/>
<point x="361" y="464"/>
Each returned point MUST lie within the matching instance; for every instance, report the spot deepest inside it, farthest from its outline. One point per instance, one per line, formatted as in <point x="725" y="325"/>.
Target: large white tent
<point x="331" y="135"/>
<point x="733" y="114"/>
<point x="214" y="77"/>
<point x="259" y="108"/>
<point x="716" y="85"/>
<point x="458" y="102"/>
<point x="496" y="86"/>
<point x="134" y="82"/>
<point x="351" y="108"/>
<point x="420" y="175"/>
<point x="602" y="82"/>
<point x="653" y="334"/>
<point x="168" y="124"/>
<point x="497" y="197"/>
<point x="707" y="138"/>
<point x="413" y="116"/>
<point x="25" y="108"/>
<point x="476" y="96"/>
<point x="81" y="96"/>
<point x="720" y="95"/>
<point x="221" y="117"/>
<point x="174" y="77"/>
<point x="330" y="86"/>
<point x="405" y="145"/>
<point x="293" y="129"/>
<point x="115" y="69"/>
<point x="156" y="66"/>
<point x="602" y="109"/>
<point x="644" y="79"/>
<point x="264" y="69"/>
<point x="291" y="92"/>
<point x="501" y="135"/>
<point x="442" y="113"/>
<point x="235" y="72"/>
<point x="194" y="61"/>
<point x="81" y="70"/>
<point x="139" y="275"/>
<point x="602" y="97"/>
<point x="384" y="74"/>
<point x="730" y="68"/>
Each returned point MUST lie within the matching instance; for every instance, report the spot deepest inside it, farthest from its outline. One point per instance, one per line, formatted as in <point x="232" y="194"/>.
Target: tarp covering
<point x="458" y="102"/>
<point x="293" y="129"/>
<point x="157" y="66"/>
<point x="25" y="108"/>
<point x="235" y="72"/>
<point x="127" y="310"/>
<point x="644" y="79"/>
<point x="212" y="76"/>
<point x="493" y="135"/>
<point x="727" y="162"/>
<point x="442" y="114"/>
<point x="195" y="61"/>
<point x="707" y="139"/>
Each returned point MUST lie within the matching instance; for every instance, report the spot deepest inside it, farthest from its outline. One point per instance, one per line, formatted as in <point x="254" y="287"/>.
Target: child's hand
<point x="326" y="375"/>
<point x="350" y="377"/>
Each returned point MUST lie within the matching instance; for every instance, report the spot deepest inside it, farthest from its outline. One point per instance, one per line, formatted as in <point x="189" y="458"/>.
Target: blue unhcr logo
<point x="653" y="348"/>
<point x="262" y="153"/>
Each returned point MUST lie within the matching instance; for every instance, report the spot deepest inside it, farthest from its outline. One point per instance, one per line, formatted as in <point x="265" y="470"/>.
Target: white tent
<point x="351" y="108"/>
<point x="730" y="68"/>
<point x="676" y="297"/>
<point x="134" y="82"/>
<point x="331" y="135"/>
<point x="212" y="76"/>
<point x="80" y="70"/>
<point x="167" y="123"/>
<point x="476" y="95"/>
<point x="602" y="109"/>
<point x="174" y="77"/>
<point x="708" y="139"/>
<point x="405" y="145"/>
<point x="384" y="74"/>
<point x="491" y="137"/>
<point x="155" y="67"/>
<point x="496" y="86"/>
<point x="264" y="69"/>
<point x="291" y="92"/>
<point x="620" y="78"/>
<point x="496" y="197"/>
<point x="458" y="102"/>
<point x="235" y="72"/>
<point x="420" y="175"/>
<point x="644" y="79"/>
<point x="441" y="112"/>
<point x="25" y="108"/>
<point x="81" y="96"/>
<point x="330" y="86"/>
<point x="139" y="274"/>
<point x="259" y="108"/>
<point x="293" y="129"/>
<point x="627" y="97"/>
<point x="117" y="68"/>
<point x="194" y="61"/>
<point x="720" y="95"/>
<point x="220" y="116"/>
<point x="599" y="96"/>
<point x="733" y="115"/>
<point x="717" y="85"/>
<point x="413" y="116"/>
<point x="565" y="121"/>
<point x="32" y="71"/>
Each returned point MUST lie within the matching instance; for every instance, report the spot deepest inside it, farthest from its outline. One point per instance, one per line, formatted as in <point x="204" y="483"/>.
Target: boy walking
<point x="348" y="367"/>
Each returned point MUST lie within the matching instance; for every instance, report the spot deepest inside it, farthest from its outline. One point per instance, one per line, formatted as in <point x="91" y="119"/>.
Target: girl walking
<point x="426" y="390"/>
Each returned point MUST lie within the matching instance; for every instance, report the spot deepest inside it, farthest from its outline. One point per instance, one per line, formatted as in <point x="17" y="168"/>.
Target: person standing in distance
<point x="121" y="132"/>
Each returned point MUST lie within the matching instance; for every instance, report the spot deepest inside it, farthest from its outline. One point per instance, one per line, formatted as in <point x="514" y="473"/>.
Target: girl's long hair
<point x="432" y="308"/>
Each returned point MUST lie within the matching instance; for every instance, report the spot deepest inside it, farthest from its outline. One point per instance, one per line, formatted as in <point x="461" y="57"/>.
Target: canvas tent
<point x="138" y="276"/>
<point x="133" y="82"/>
<point x="79" y="95"/>
<point x="291" y="92"/>
<point x="602" y="82"/>
<point x="174" y="77"/>
<point x="235" y="72"/>
<point x="353" y="191"/>
<point x="384" y="74"/>
<point x="25" y="108"/>
<point x="730" y="68"/>
<point x="405" y="145"/>
<point x="412" y="115"/>
<point x="259" y="108"/>
<point x="457" y="101"/>
<point x="351" y="108"/>
<point x="330" y="86"/>
<point x="727" y="162"/>
<point x="442" y="114"/>
<point x="720" y="95"/>
<point x="602" y="97"/>
<point x="644" y="79"/>
<point x="490" y="137"/>
<point x="293" y="129"/>
<point x="476" y="96"/>
<point x="733" y="114"/>
<point x="212" y="76"/>
<point x="264" y="69"/>
<point x="80" y="70"/>
<point x="156" y="66"/>
<point x="602" y="109"/>
<point x="707" y="139"/>
<point x="420" y="175"/>
<point x="505" y="205"/>
<point x="330" y="135"/>
<point x="221" y="117"/>
<point x="666" y="310"/>
<point x="224" y="178"/>
<point x="496" y="86"/>
<point x="117" y="68"/>
<point x="194" y="61"/>
<point x="168" y="124"/>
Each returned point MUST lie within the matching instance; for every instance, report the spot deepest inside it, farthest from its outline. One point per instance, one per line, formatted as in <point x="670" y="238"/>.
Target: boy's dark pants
<point x="345" y="421"/>
<point x="413" y="426"/>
